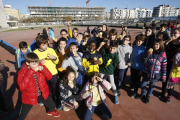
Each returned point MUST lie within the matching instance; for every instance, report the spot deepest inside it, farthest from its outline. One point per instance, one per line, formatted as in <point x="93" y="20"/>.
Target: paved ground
<point x="127" y="109"/>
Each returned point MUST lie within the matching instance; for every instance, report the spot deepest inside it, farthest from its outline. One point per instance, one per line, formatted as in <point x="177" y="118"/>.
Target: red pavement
<point x="127" y="109"/>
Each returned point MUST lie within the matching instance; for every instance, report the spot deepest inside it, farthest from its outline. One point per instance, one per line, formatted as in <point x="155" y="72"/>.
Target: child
<point x="110" y="61"/>
<point x="136" y="65"/>
<point x="19" y="52"/>
<point x="165" y="32"/>
<point x="68" y="86"/>
<point x="174" y="77"/>
<point x="72" y="33"/>
<point x="172" y="48"/>
<point x="79" y="41"/>
<point x="61" y="53"/>
<point x="127" y="31"/>
<point x="155" y="68"/>
<point x="74" y="59"/>
<point x="113" y="34"/>
<point x="2" y="102"/>
<point x="123" y="33"/>
<point x="124" y="52"/>
<point x="84" y="44"/>
<point x="48" y="57"/>
<point x="31" y="82"/>
<point x="93" y="92"/>
<point x="51" y="34"/>
<point x="92" y="59"/>
<point x="105" y="30"/>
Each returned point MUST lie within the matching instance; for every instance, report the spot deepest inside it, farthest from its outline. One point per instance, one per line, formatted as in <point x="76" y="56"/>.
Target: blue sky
<point x="109" y="4"/>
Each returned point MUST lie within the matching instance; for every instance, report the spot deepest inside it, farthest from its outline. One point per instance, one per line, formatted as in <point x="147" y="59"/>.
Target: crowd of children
<point x="79" y="65"/>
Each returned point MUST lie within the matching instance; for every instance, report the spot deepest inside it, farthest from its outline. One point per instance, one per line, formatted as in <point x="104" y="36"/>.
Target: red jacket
<point x="27" y="84"/>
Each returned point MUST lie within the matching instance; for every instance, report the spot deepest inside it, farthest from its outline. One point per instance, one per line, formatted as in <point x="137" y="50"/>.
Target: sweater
<point x="124" y="53"/>
<point x="104" y="67"/>
<point x="91" y="67"/>
<point x="137" y="54"/>
<point x="50" y="64"/>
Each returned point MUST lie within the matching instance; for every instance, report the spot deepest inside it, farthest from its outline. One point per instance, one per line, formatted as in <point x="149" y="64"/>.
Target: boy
<point x="48" y="57"/>
<point x="165" y="32"/>
<point x="92" y="59"/>
<point x="64" y="34"/>
<point x="113" y="34"/>
<point x="124" y="52"/>
<point x="84" y="44"/>
<point x="136" y="65"/>
<point x="72" y="33"/>
<point x="79" y="41"/>
<point x="31" y="82"/>
<point x="19" y="52"/>
<point x="74" y="59"/>
<point x="110" y="61"/>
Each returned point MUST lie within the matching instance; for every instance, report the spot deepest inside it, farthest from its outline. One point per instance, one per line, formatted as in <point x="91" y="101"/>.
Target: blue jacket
<point x="137" y="55"/>
<point x="19" y="56"/>
<point x="69" y="41"/>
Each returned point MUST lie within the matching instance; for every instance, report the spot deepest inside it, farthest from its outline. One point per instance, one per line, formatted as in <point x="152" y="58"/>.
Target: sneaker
<point x="116" y="100"/>
<point x="147" y="99"/>
<point x="54" y="113"/>
<point x="161" y="95"/>
<point x="168" y="99"/>
<point x="41" y="104"/>
<point x="140" y="97"/>
<point x="119" y="93"/>
<point x="133" y="95"/>
<point x="65" y="108"/>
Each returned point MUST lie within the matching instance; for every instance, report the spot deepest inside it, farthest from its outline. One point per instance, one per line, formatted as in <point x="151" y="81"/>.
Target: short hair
<point x="163" y="25"/>
<point x="61" y="39"/>
<point x="87" y="36"/>
<point x="75" y="29"/>
<point x="63" y="30"/>
<point x="73" y="44"/>
<point x="86" y="32"/>
<point x="140" y="37"/>
<point x="114" y="43"/>
<point x="31" y="57"/>
<point x="92" y="41"/>
<point x="41" y="39"/>
<point x="160" y="41"/>
<point x="23" y="44"/>
<point x="80" y="34"/>
<point x="49" y="27"/>
<point x="113" y="32"/>
<point x="159" y="36"/>
<point x="127" y="36"/>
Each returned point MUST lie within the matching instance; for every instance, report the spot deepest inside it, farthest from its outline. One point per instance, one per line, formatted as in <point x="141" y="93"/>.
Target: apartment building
<point x="12" y="12"/>
<point x="3" y="20"/>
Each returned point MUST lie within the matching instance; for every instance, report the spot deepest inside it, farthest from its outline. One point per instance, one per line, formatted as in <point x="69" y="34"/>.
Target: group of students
<point x="79" y="67"/>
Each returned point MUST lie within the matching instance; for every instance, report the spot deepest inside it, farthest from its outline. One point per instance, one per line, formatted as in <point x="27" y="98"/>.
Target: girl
<point x="95" y="98"/>
<point x="123" y="33"/>
<point x="155" y="68"/>
<point x="52" y="36"/>
<point x="105" y="30"/>
<point x="66" y="88"/>
<point x="174" y="76"/>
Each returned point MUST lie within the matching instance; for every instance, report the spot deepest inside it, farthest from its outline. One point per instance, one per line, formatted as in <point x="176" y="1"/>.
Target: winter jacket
<point x="155" y="66"/>
<point x="64" y="90"/>
<point x="19" y="56"/>
<point x="27" y="84"/>
<point x="89" y="97"/>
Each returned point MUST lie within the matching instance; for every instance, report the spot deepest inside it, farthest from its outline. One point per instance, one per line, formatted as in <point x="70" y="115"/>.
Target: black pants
<point x="2" y="103"/>
<point x="135" y="79"/>
<point x="26" y="108"/>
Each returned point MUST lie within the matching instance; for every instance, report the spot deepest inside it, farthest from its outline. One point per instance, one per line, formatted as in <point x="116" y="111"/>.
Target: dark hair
<point x="80" y="34"/>
<point x="152" y="29"/>
<point x="73" y="43"/>
<point x="63" y="30"/>
<point x="23" y="44"/>
<point x="61" y="39"/>
<point x="92" y="41"/>
<point x="159" y="36"/>
<point x="75" y="29"/>
<point x="128" y="36"/>
<point x="140" y="37"/>
<point x="45" y="32"/>
<point x="92" y="75"/>
<point x="124" y="31"/>
<point x="51" y="28"/>
<point x="114" y="43"/>
<point x="87" y="36"/>
<point x="69" y="70"/>
<point x="113" y="32"/>
<point x="86" y="32"/>
<point x="163" y="25"/>
<point x="161" y="43"/>
<point x="41" y="39"/>
<point x="107" y="28"/>
<point x="31" y="57"/>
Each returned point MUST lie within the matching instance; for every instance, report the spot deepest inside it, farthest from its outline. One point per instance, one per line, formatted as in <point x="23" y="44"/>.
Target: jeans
<point x="102" y="108"/>
<point x="26" y="107"/>
<point x="111" y="79"/>
<point x="52" y="84"/>
<point x="143" y="87"/>
<point x="121" y="75"/>
<point x="135" y="79"/>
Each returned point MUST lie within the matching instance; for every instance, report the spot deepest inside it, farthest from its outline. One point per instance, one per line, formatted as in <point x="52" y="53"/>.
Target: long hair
<point x="45" y="32"/>
<point x="92" y="75"/>
<point x="65" y="78"/>
<point x="161" y="43"/>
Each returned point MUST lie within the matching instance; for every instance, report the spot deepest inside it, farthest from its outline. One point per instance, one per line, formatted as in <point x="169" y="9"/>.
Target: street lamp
<point x="126" y="10"/>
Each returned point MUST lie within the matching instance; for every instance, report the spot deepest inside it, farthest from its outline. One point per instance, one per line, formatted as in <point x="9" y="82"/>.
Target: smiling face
<point x="62" y="44"/>
<point x="75" y="32"/>
<point x="64" y="34"/>
<point x="139" y="42"/>
<point x="126" y="41"/>
<point x="176" y="34"/>
<point x="43" y="46"/>
<point x="73" y="48"/>
<point x="104" y="28"/>
<point x="24" y="50"/>
<point x="94" y="80"/>
<point x="92" y="47"/>
<point x="156" y="46"/>
<point x="148" y="32"/>
<point x="71" y="76"/>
